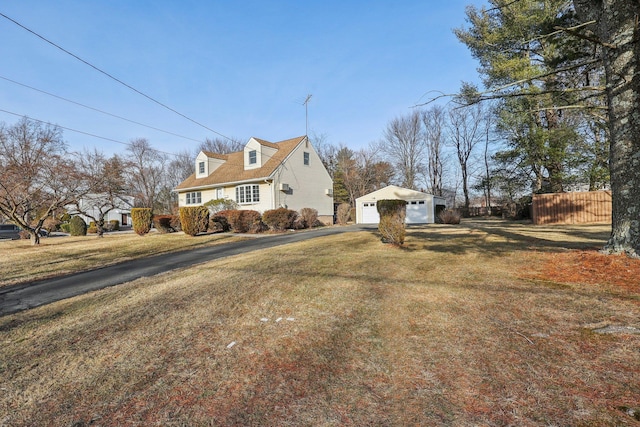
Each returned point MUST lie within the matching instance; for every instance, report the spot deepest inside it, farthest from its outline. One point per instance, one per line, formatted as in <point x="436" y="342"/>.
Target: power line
<point x="96" y="109"/>
<point x="112" y="77"/>
<point x="83" y="132"/>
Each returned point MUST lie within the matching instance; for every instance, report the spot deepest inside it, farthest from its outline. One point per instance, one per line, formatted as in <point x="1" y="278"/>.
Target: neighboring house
<point x="422" y="208"/>
<point x="263" y="176"/>
<point x="92" y="204"/>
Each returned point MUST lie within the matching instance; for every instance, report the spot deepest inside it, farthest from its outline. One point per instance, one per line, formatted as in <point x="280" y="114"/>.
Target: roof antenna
<point x="306" y="113"/>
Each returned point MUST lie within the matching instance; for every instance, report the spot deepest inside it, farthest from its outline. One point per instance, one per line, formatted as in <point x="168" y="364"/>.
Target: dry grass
<point x="449" y="331"/>
<point x="22" y="262"/>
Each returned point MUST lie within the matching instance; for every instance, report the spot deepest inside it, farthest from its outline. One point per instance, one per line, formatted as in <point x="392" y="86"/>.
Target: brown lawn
<point x="467" y="325"/>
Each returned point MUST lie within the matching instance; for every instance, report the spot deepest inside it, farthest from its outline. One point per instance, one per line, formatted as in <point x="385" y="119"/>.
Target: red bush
<point x="162" y="223"/>
<point x="243" y="221"/>
<point x="279" y="219"/>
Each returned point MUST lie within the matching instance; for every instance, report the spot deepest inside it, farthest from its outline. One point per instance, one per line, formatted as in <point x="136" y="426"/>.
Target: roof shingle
<point x="232" y="170"/>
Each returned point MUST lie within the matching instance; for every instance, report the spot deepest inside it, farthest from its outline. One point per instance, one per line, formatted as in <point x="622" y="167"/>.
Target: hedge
<point x="141" y="220"/>
<point x="279" y="219"/>
<point x="391" y="225"/>
<point x="194" y="219"/>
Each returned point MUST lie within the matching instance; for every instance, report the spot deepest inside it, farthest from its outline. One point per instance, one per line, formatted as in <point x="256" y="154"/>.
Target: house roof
<point x="232" y="170"/>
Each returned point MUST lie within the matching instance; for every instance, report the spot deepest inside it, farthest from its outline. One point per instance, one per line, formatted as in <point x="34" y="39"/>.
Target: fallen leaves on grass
<point x="591" y="267"/>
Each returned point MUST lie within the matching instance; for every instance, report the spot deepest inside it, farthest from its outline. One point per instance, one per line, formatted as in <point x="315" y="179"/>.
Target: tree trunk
<point x="617" y="27"/>
<point x="35" y="238"/>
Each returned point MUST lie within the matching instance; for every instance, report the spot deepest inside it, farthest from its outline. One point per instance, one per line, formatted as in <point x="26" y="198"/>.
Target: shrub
<point x="343" y="213"/>
<point x="51" y="224"/>
<point x="92" y="229"/>
<point x="65" y="227"/>
<point x="244" y="221"/>
<point x="219" y="223"/>
<point x="77" y="226"/>
<point x="391" y="225"/>
<point x="141" y="220"/>
<point x="309" y="217"/>
<point x="279" y="219"/>
<point x="113" y="225"/>
<point x="219" y="205"/>
<point x="175" y="222"/>
<point x="162" y="223"/>
<point x="449" y="216"/>
<point x="194" y="219"/>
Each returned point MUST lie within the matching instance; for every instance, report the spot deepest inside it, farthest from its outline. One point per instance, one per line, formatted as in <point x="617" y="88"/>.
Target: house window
<point x="194" y="198"/>
<point x="201" y="167"/>
<point x="306" y="158"/>
<point x="248" y="194"/>
<point x="253" y="157"/>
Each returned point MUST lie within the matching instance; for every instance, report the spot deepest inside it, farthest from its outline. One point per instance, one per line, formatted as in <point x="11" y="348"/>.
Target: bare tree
<point x="327" y="152"/>
<point x="465" y="132"/>
<point x="145" y="173"/>
<point x="221" y="146"/>
<point x="104" y="188"/>
<point x="434" y="120"/>
<point x="36" y="175"/>
<point x="403" y="144"/>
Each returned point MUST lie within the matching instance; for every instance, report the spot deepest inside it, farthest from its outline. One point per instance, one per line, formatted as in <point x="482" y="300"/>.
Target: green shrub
<point x="162" y="223"/>
<point x="77" y="226"/>
<point x="141" y="220"/>
<point x="219" y="205"/>
<point x="244" y="221"/>
<point x="391" y="225"/>
<point x="194" y="219"/>
<point x="65" y="227"/>
<point x="343" y="213"/>
<point x="309" y="217"/>
<point x="113" y="225"/>
<point x="279" y="219"/>
<point x="449" y="216"/>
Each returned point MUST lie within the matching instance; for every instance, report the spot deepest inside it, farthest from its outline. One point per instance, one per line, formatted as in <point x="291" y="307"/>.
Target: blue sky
<point x="241" y="68"/>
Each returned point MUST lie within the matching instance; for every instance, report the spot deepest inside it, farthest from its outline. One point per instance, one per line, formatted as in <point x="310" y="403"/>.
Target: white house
<point x="422" y="208"/>
<point x="92" y="204"/>
<point x="263" y="176"/>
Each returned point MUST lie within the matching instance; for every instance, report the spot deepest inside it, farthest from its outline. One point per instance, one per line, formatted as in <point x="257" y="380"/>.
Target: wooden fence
<point x="572" y="208"/>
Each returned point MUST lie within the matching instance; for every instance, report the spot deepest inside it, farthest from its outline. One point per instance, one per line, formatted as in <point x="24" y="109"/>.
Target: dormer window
<point x="201" y="168"/>
<point x="253" y="157"/>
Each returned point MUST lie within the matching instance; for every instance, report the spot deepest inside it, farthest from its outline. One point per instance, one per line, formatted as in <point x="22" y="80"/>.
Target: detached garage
<point x="422" y="208"/>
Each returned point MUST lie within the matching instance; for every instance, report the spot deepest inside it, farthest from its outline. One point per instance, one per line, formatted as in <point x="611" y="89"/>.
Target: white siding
<point x="308" y="185"/>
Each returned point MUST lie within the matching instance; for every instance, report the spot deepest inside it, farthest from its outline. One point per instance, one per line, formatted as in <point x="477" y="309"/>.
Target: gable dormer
<point x="258" y="152"/>
<point x="207" y="162"/>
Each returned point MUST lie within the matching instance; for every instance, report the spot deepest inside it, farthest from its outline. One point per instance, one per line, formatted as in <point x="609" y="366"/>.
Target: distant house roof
<point x="232" y="170"/>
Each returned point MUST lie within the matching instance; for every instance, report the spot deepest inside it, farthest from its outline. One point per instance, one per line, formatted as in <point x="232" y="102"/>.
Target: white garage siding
<point x="421" y="207"/>
<point x="370" y="213"/>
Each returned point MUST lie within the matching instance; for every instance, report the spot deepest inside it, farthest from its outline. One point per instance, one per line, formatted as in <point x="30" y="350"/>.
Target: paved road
<point x="29" y="295"/>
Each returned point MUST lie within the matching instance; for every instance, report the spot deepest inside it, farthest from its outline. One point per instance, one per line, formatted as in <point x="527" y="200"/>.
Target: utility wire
<point x="112" y="77"/>
<point x="83" y="132"/>
<point x="96" y="109"/>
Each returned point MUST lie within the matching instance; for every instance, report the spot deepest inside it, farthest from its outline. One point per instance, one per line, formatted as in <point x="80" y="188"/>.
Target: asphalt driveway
<point x="29" y="295"/>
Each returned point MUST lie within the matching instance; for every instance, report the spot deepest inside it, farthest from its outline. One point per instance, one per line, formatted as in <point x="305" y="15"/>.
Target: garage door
<point x="416" y="212"/>
<point x="370" y="213"/>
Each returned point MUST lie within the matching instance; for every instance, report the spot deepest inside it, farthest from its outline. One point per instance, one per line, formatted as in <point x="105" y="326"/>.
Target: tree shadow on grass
<point x="498" y="237"/>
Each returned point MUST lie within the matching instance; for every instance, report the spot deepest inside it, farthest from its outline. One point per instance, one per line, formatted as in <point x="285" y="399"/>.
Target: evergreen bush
<point x="141" y="220"/>
<point x="391" y="225"/>
<point x="77" y="226"/>
<point x="194" y="219"/>
<point x="343" y="213"/>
